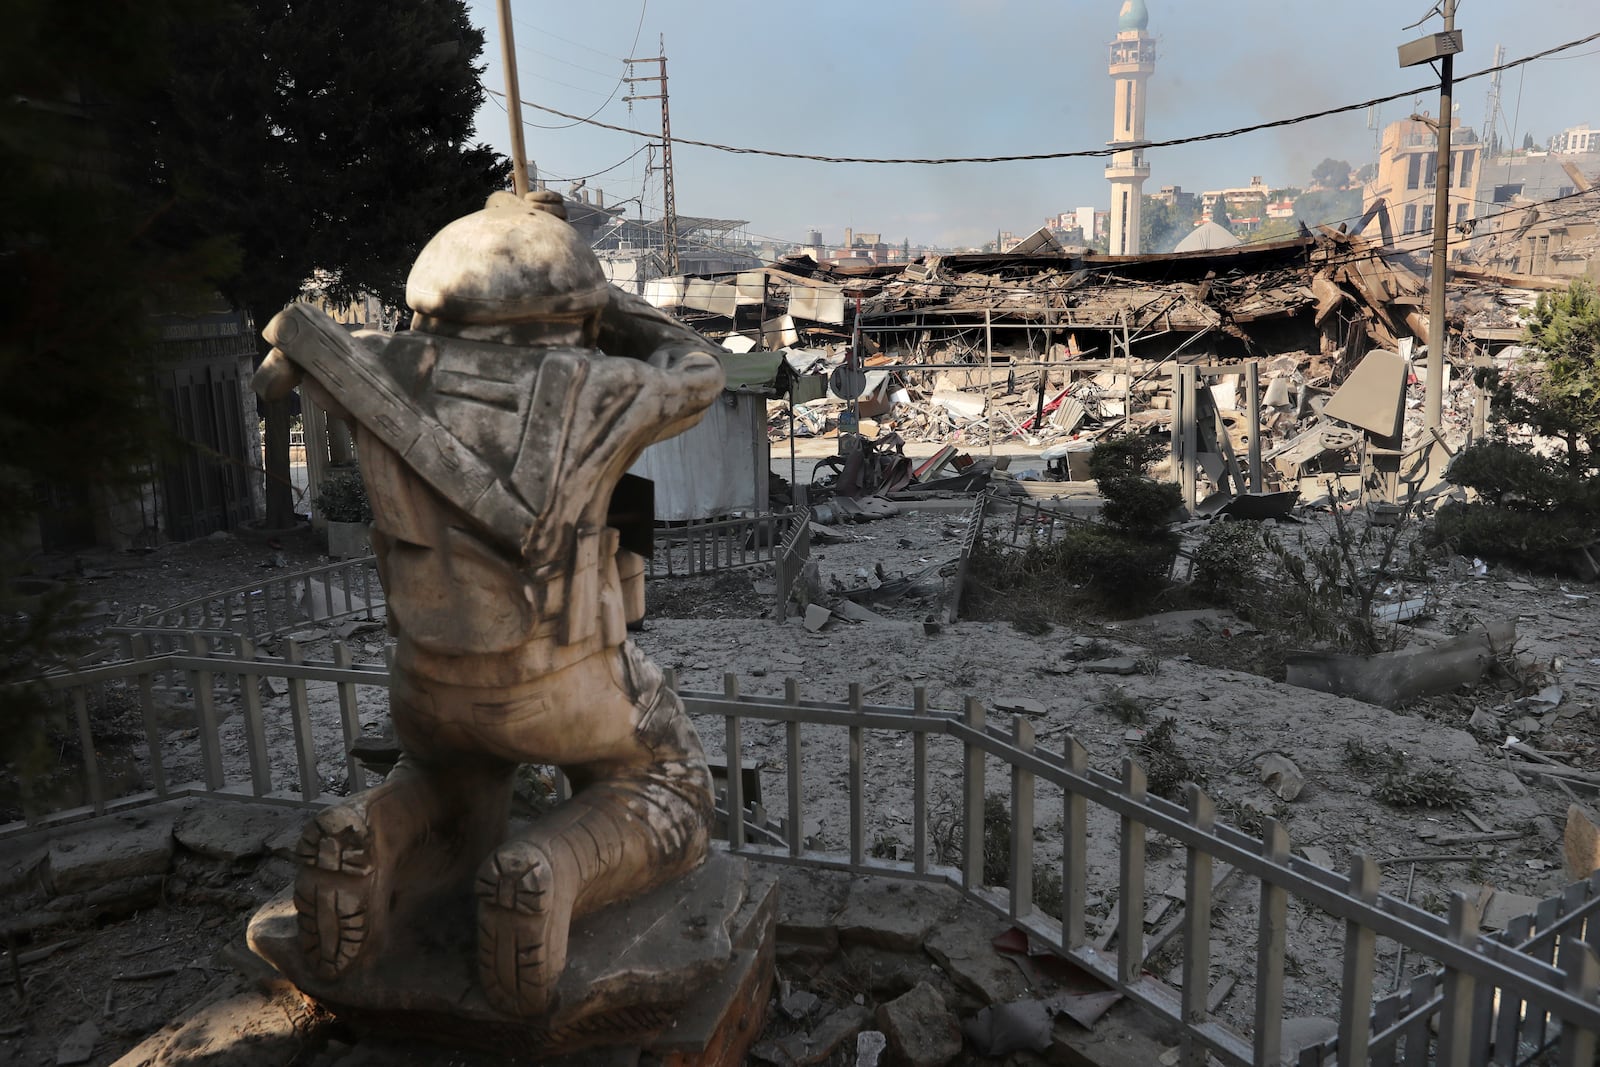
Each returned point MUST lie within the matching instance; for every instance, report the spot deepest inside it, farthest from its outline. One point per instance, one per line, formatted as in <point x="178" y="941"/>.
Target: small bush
<point x="1435" y="787"/>
<point x="1167" y="770"/>
<point x="1539" y="540"/>
<point x="1226" y="559"/>
<point x="344" y="498"/>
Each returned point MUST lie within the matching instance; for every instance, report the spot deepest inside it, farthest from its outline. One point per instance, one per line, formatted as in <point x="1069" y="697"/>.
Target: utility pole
<point x="669" y="207"/>
<point x="1438" y="328"/>
<point x="1443" y="47"/>
<point x="508" y="57"/>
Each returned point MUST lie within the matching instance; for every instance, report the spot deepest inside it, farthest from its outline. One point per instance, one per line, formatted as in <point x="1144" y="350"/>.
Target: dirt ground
<point x="1223" y="722"/>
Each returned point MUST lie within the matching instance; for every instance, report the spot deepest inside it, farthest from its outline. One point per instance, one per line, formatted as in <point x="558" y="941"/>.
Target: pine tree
<point x="319" y="136"/>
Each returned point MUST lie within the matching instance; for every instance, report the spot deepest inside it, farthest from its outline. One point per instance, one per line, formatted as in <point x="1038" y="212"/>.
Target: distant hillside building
<point x="1407" y="171"/>
<point x="1576" y="139"/>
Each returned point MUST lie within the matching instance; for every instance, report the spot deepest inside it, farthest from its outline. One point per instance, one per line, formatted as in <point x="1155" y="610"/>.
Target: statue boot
<point x="437" y="820"/>
<point x="630" y="826"/>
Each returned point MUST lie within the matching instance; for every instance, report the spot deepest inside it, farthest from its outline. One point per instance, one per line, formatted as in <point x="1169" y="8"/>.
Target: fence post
<point x="792" y="753"/>
<point x="140" y="650"/>
<point x="1074" y="850"/>
<point x="858" y="784"/>
<point x="1583" y="978"/>
<point x="1270" y="948"/>
<point x="1197" y="927"/>
<point x="1021" y="823"/>
<point x="254" y="729"/>
<point x="1455" y="1013"/>
<point x="349" y="718"/>
<point x="919" y="782"/>
<point x="300" y="715"/>
<point x="732" y="744"/>
<point x="1360" y="953"/>
<point x="1130" y="932"/>
<point x="206" y="706"/>
<point x="972" y="797"/>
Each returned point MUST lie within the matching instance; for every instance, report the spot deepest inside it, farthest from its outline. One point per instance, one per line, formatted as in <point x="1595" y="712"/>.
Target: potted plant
<point x="343" y="502"/>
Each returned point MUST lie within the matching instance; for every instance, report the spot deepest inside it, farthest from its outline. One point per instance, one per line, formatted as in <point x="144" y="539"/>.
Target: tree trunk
<point x="280" y="490"/>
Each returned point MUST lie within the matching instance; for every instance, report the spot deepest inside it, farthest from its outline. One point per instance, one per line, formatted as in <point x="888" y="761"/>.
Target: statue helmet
<point x="516" y="261"/>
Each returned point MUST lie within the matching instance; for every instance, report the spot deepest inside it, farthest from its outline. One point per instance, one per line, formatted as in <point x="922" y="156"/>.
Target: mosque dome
<point x="1134" y="16"/>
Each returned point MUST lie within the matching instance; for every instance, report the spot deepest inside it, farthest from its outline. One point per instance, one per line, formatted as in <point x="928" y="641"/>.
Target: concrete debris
<point x="817" y="617"/>
<point x="1002" y="1029"/>
<point x="79" y="1045"/>
<point x="111" y="851"/>
<point x="1279" y="774"/>
<point x="920" y="1030"/>
<point x="870" y="1046"/>
<point x="800" y="1005"/>
<point x="1114" y="665"/>
<point x="1019" y="704"/>
<point x="1390" y="678"/>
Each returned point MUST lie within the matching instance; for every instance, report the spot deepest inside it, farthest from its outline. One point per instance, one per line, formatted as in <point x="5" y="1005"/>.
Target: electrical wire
<point x="1088" y="153"/>
<point x="621" y="80"/>
<point x="596" y="174"/>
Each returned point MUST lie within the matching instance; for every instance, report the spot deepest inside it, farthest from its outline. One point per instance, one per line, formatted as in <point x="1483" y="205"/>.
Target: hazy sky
<point x="933" y="78"/>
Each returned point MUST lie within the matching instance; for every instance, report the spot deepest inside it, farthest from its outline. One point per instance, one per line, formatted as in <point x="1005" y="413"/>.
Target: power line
<point x="1089" y="153"/>
<point x="621" y="79"/>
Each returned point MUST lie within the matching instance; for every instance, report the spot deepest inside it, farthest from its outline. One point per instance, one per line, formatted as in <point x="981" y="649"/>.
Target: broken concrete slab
<point x="1303" y="1031"/>
<point x="233" y="832"/>
<point x="920" y="1029"/>
<point x="1390" y="678"/>
<point x="965" y="949"/>
<point x="1114" y="665"/>
<point x="870" y="1046"/>
<point x="1020" y="704"/>
<point x="817" y="617"/>
<point x="79" y="1045"/>
<point x="807" y="909"/>
<point x="240" y="1027"/>
<point x="888" y="913"/>
<point x="110" y="851"/>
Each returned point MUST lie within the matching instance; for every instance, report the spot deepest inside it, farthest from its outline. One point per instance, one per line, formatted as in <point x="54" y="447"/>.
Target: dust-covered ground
<point x="1224" y="723"/>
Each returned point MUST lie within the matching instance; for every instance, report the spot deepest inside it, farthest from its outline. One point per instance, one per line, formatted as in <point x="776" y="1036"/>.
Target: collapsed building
<point x="1237" y="351"/>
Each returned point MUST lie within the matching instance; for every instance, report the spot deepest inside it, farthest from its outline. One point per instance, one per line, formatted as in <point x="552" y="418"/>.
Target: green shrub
<point x="1510" y="476"/>
<point x="344" y="498"/>
<point x="1135" y="503"/>
<point x="1226" y="559"/>
<point x="1539" y="540"/>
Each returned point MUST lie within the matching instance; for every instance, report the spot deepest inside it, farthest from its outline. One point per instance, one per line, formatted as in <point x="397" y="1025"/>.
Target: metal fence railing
<point x="281" y="730"/>
<point x="706" y="546"/>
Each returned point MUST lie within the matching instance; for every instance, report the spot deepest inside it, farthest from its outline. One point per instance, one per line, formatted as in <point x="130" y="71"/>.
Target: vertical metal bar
<point x="327" y="593"/>
<point x="300" y="716"/>
<point x="1074" y="849"/>
<point x="1543" y="950"/>
<point x="1021" y="895"/>
<point x="858" y="783"/>
<point x="1360" y="955"/>
<point x="140" y="650"/>
<point x="1419" y="1032"/>
<point x="1508" y="1017"/>
<point x="508" y="59"/>
<point x="1197" y="928"/>
<point x="205" y="703"/>
<point x="350" y="719"/>
<point x="1270" y="949"/>
<point x="1177" y="429"/>
<point x="1384" y="1013"/>
<point x="255" y="733"/>
<point x="91" y="759"/>
<point x="1582" y="979"/>
<point x="1130" y="930"/>
<point x="792" y="754"/>
<point x="1191" y="437"/>
<point x="732" y="746"/>
<point x="919" y="783"/>
<point x="1455" y="1013"/>
<point x="972" y="800"/>
<point x="1252" y="394"/>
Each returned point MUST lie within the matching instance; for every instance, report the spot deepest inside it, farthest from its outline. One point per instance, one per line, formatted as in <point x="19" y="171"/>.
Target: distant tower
<point x="1133" y="60"/>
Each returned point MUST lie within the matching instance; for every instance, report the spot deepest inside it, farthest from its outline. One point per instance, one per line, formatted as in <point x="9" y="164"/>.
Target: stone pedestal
<point x="683" y="972"/>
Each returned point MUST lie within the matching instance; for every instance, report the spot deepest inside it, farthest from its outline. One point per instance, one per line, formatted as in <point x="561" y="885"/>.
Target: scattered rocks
<point x="869" y="1047"/>
<point x="799" y="1005"/>
<point x="965" y="949"/>
<point x="817" y="617"/>
<point x="919" y="1029"/>
<point x="79" y="1045"/>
